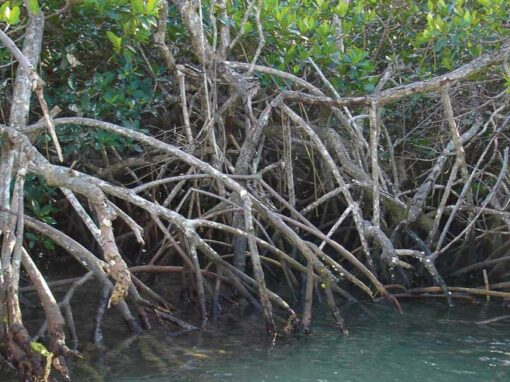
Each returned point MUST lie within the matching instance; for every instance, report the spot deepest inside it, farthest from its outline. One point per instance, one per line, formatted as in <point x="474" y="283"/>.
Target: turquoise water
<point x="429" y="342"/>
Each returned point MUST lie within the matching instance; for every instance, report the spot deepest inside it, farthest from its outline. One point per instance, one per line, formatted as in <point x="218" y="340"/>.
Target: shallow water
<point x="429" y="342"/>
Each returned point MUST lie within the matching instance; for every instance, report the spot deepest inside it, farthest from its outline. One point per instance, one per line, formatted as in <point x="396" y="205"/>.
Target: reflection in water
<point x="429" y="342"/>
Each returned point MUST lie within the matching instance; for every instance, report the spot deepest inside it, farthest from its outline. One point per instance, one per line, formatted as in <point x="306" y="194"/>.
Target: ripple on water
<point x="429" y="342"/>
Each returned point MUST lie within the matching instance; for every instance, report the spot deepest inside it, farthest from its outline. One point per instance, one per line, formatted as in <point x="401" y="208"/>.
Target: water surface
<point x="429" y="342"/>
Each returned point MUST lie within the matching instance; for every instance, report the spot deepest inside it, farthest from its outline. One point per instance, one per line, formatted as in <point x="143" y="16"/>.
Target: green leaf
<point x="31" y="236"/>
<point x="467" y="18"/>
<point x="507" y="83"/>
<point x="5" y="11"/>
<point x="303" y="26"/>
<point x="115" y="40"/>
<point x="49" y="220"/>
<point x="49" y="245"/>
<point x="33" y="6"/>
<point x="151" y="6"/>
<point x="45" y="210"/>
<point x="342" y="8"/>
<point x="324" y="29"/>
<point x="270" y="4"/>
<point x="137" y="6"/>
<point x="14" y="16"/>
<point x="39" y="348"/>
<point x="248" y="27"/>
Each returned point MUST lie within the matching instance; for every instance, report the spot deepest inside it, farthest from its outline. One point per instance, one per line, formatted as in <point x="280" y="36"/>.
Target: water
<point x="429" y="342"/>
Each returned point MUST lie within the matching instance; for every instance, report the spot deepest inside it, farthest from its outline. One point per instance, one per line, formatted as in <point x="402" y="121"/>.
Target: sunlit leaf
<point x="115" y="40"/>
<point x="342" y="8"/>
<point x="14" y="16"/>
<point x="39" y="348"/>
<point x="137" y="6"/>
<point x="5" y="11"/>
<point x="33" y="6"/>
<point x="151" y="6"/>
